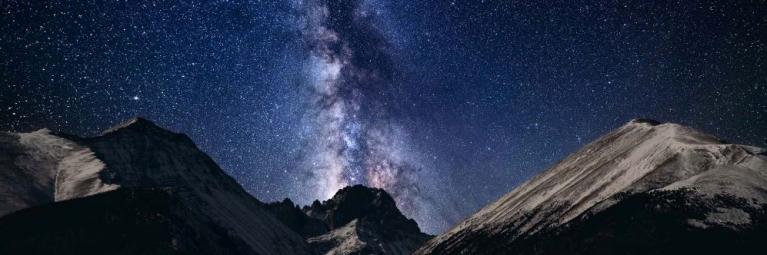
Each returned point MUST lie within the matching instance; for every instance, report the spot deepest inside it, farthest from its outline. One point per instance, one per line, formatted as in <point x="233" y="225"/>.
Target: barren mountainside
<point x="135" y="159"/>
<point x="721" y="190"/>
<point x="140" y="189"/>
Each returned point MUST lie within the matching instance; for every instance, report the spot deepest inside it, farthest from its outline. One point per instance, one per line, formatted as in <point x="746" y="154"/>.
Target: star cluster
<point x="462" y="100"/>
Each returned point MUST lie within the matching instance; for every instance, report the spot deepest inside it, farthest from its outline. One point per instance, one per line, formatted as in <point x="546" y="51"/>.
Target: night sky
<point x="446" y="105"/>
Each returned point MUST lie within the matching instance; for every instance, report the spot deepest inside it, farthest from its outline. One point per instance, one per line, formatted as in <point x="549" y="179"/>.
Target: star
<point x="441" y="96"/>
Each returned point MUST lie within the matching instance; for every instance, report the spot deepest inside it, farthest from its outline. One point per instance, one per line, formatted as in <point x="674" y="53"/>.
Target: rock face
<point x="357" y="220"/>
<point x="644" y="188"/>
<point x="294" y="218"/>
<point x="101" y="184"/>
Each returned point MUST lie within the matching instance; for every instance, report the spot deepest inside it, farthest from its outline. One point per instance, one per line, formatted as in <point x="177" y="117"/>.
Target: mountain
<point x="644" y="188"/>
<point x="135" y="189"/>
<point x="356" y="220"/>
<point x="296" y="219"/>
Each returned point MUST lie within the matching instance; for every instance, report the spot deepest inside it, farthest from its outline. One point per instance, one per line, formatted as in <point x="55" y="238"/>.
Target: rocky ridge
<point x="357" y="220"/>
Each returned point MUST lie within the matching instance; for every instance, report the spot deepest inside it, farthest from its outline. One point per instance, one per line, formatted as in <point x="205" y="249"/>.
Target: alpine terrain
<point x="135" y="189"/>
<point x="357" y="220"/>
<point x="140" y="189"/>
<point x="644" y="188"/>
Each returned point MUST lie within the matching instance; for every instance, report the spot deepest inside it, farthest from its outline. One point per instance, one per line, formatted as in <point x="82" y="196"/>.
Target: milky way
<point x="446" y="104"/>
<point x="351" y="79"/>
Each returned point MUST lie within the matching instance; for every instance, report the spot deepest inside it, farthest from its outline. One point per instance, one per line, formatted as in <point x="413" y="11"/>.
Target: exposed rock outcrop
<point x="357" y="220"/>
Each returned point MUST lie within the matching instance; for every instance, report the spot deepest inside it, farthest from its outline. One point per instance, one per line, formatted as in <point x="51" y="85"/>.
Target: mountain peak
<point x="641" y="157"/>
<point x="138" y="123"/>
<point x="647" y="121"/>
<point x="358" y="201"/>
<point x="350" y="203"/>
<point x="360" y="220"/>
<point x="364" y="194"/>
<point x="356" y="220"/>
<point x="141" y="127"/>
<point x="139" y="156"/>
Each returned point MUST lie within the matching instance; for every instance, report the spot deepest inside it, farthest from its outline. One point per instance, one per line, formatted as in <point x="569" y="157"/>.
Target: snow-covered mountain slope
<point x="29" y="165"/>
<point x="641" y="157"/>
<point x="41" y="167"/>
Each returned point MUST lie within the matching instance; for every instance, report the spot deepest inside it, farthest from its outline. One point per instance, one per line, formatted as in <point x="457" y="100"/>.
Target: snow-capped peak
<point x="640" y="156"/>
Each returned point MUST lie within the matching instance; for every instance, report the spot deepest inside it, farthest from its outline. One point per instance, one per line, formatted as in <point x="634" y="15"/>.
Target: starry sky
<point x="445" y="104"/>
